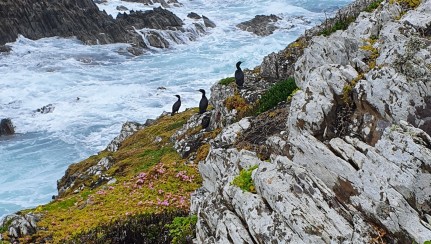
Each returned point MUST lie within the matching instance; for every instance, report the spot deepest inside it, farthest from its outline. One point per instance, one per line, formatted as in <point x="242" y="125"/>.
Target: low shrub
<point x="340" y="24"/>
<point x="182" y="229"/>
<point x="276" y="94"/>
<point x="244" y="180"/>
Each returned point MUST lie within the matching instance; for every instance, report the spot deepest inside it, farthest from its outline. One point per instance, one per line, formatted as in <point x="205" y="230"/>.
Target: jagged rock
<point x="6" y="127"/>
<point x="161" y="27"/>
<point x="193" y="15"/>
<point x="128" y="129"/>
<point x="372" y="180"/>
<point x="5" y="49"/>
<point x="261" y="25"/>
<point x="45" y="18"/>
<point x="208" y="23"/>
<point x="280" y="66"/>
<point x="165" y="4"/>
<point x="229" y="135"/>
<point x="19" y="225"/>
<point x="158" y="18"/>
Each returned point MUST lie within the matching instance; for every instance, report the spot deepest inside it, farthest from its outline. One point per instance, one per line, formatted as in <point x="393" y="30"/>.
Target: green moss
<point x="276" y="94"/>
<point x="182" y="229"/>
<point x="373" y="5"/>
<point x="227" y="81"/>
<point x="244" y="180"/>
<point x="61" y="204"/>
<point x="289" y="98"/>
<point x="407" y="3"/>
<point x="427" y="242"/>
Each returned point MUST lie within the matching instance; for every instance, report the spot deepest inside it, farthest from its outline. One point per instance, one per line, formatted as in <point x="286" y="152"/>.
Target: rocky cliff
<point x="352" y="162"/>
<point x="83" y="19"/>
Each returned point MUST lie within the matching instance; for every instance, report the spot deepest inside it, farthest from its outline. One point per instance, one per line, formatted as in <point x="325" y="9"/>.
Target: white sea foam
<point x="114" y="87"/>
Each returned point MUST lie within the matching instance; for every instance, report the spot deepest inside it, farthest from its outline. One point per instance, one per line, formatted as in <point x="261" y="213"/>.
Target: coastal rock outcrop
<point x="19" y="225"/>
<point x="261" y="25"/>
<point x="354" y="157"/>
<point x="161" y="28"/>
<point x="6" y="127"/>
<point x="80" y="18"/>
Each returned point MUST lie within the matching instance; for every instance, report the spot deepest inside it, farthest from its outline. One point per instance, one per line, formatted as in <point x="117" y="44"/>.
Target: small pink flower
<point x="101" y="192"/>
<point x="151" y="186"/>
<point x="161" y="191"/>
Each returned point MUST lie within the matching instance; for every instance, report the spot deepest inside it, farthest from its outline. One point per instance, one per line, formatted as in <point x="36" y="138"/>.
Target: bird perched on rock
<point x="239" y="75"/>
<point x="203" y="104"/>
<point x="176" y="105"/>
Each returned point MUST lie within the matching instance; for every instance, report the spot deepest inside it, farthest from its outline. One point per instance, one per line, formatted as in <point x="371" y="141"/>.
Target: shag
<point x="176" y="105"/>
<point x="239" y="75"/>
<point x="203" y="104"/>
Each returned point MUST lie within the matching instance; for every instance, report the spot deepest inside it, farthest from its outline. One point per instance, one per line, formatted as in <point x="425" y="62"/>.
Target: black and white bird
<point x="203" y="104"/>
<point x="239" y="75"/>
<point x="176" y="105"/>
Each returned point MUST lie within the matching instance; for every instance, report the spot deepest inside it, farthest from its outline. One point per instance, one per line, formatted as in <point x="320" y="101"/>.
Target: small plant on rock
<point x="244" y="180"/>
<point x="182" y="229"/>
<point x="276" y="94"/>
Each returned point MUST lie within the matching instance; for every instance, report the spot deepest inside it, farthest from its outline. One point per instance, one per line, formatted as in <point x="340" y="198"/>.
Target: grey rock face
<point x="372" y="180"/>
<point x="261" y="25"/>
<point x="20" y="225"/>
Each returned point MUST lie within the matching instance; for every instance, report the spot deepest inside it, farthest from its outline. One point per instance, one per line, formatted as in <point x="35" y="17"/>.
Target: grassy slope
<point x="148" y="181"/>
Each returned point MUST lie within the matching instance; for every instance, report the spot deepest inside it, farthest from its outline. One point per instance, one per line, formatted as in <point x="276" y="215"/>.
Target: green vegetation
<point x="373" y="5"/>
<point x="427" y="242"/>
<point x="341" y="24"/>
<point x="276" y="94"/>
<point x="289" y="98"/>
<point x="182" y="229"/>
<point x="132" y="229"/>
<point x="348" y="88"/>
<point x="151" y="179"/>
<point x="244" y="180"/>
<point x="227" y="81"/>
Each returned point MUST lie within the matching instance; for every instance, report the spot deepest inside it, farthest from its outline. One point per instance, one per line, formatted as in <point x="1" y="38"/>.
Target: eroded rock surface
<point x="354" y="157"/>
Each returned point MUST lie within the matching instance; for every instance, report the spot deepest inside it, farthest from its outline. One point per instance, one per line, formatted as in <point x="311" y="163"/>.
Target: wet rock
<point x="5" y="49"/>
<point x="193" y="15"/>
<point x="261" y="25"/>
<point x="82" y="19"/>
<point x="208" y="23"/>
<point x="165" y="4"/>
<point x="6" y="127"/>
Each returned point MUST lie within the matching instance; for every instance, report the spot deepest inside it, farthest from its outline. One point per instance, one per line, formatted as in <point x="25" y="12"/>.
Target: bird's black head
<point x="202" y="90"/>
<point x="178" y="96"/>
<point x="238" y="64"/>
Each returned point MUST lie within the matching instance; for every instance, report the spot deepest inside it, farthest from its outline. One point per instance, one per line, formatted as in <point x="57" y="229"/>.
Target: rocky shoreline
<point x="346" y="159"/>
<point x="87" y="23"/>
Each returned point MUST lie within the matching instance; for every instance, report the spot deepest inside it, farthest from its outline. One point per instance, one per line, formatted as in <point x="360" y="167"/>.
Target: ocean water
<point x="114" y="87"/>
